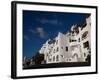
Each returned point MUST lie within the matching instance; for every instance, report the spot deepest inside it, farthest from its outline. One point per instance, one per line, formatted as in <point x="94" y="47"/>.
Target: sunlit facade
<point x="73" y="46"/>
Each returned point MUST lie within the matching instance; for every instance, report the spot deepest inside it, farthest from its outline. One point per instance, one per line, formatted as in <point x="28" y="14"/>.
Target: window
<point x="77" y="30"/>
<point x="84" y="54"/>
<point x="72" y="33"/>
<point x="69" y="40"/>
<point x="86" y="44"/>
<point x="79" y="40"/>
<point x="89" y="51"/>
<point x="69" y="59"/>
<point x="66" y="48"/>
<point x="73" y="40"/>
<point x="57" y="58"/>
<point x="84" y="35"/>
<point x="57" y="49"/>
<point x="47" y="54"/>
<point x="90" y="24"/>
<point x="53" y="58"/>
<point x="54" y="51"/>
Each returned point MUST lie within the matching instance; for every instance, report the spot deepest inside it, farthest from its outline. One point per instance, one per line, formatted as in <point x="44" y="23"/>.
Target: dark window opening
<point x="79" y="40"/>
<point x="69" y="59"/>
<point x="57" y="49"/>
<point x="57" y="58"/>
<point x="77" y="30"/>
<point x="54" y="51"/>
<point x="66" y="48"/>
<point x="86" y="44"/>
<point x="72" y="40"/>
<point x="84" y="35"/>
<point x="53" y="58"/>
<point x="69" y="40"/>
<point x="84" y="54"/>
<point x="90" y="24"/>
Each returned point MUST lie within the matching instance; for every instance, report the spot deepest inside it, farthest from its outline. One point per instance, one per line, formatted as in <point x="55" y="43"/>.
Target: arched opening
<point x="57" y="58"/>
<point x="75" y="57"/>
<point x="84" y="35"/>
<point x="53" y="58"/>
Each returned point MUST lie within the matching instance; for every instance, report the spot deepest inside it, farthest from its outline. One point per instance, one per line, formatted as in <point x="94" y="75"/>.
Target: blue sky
<point x="39" y="26"/>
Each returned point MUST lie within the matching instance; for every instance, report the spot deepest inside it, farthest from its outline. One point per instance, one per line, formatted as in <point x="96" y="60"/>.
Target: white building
<point x="74" y="46"/>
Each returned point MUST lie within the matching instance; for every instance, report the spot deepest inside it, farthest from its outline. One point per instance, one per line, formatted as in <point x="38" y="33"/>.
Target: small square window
<point x="66" y="48"/>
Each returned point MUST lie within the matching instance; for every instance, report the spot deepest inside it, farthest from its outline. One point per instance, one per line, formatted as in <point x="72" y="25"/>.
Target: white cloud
<point x="39" y="31"/>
